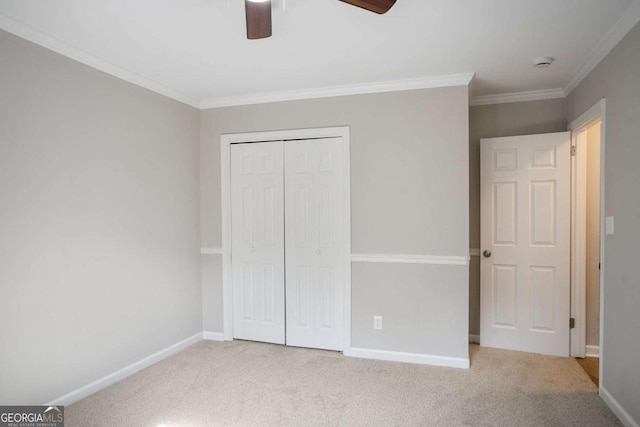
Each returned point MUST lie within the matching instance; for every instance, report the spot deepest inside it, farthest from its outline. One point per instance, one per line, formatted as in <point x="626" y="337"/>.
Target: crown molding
<point x="45" y="40"/>
<point x="504" y="98"/>
<point x="50" y="42"/>
<point x="628" y="20"/>
<point x="356" y="89"/>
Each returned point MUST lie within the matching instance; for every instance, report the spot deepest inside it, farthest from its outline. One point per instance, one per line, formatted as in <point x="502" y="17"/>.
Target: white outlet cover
<point x="608" y="225"/>
<point x="377" y="322"/>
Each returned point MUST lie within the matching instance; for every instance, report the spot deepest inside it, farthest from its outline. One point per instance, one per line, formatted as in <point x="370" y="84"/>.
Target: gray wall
<point x="489" y="121"/>
<point x="409" y="185"/>
<point x="99" y="223"/>
<point x="617" y="78"/>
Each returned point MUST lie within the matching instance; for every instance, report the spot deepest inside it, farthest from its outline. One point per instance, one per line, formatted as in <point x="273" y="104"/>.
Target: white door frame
<point x="578" y="245"/>
<point x="225" y="169"/>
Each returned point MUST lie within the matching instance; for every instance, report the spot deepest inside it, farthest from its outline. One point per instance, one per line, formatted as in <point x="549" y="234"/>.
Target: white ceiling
<point x="196" y="50"/>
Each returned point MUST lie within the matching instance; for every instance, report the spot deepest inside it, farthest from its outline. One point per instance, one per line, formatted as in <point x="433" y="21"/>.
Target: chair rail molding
<point x="411" y="259"/>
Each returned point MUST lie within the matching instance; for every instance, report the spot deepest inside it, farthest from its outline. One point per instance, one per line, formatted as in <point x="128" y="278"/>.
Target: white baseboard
<point x="593" y="351"/>
<point x="214" y="336"/>
<point x="474" y="338"/>
<point x="123" y="373"/>
<point x="395" y="356"/>
<point x="617" y="409"/>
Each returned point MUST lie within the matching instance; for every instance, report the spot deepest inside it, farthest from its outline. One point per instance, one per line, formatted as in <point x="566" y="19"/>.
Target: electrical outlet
<point x="377" y="322"/>
<point x="608" y="225"/>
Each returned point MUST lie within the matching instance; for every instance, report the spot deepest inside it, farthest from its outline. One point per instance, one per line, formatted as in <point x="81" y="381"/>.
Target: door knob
<point x="253" y="248"/>
<point x="486" y="254"/>
<point x="318" y="251"/>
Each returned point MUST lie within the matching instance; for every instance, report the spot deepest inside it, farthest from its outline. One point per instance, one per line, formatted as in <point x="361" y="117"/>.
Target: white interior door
<point x="525" y="231"/>
<point x="257" y="253"/>
<point x="315" y="228"/>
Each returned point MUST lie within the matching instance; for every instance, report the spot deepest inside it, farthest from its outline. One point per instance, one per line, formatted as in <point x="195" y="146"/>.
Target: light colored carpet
<point x="252" y="384"/>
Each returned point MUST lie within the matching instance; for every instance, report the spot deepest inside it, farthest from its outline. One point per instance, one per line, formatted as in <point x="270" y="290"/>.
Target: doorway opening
<point x="586" y="245"/>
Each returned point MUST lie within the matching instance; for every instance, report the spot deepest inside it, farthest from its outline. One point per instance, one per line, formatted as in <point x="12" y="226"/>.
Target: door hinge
<point x="573" y="150"/>
<point x="572" y="323"/>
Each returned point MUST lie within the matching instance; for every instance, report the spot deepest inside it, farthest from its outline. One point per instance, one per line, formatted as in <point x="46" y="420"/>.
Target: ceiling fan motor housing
<point x="258" y="15"/>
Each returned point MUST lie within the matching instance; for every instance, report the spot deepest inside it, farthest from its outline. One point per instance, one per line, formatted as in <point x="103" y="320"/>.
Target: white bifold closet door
<point x="314" y="241"/>
<point x="257" y="253"/>
<point x="287" y="208"/>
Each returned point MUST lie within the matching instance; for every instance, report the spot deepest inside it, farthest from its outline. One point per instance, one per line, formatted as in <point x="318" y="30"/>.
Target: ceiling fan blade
<point x="258" y="19"/>
<point x="377" y="6"/>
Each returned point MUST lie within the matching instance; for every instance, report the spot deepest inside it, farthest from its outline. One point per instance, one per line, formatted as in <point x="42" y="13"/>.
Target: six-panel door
<point x="314" y="241"/>
<point x="257" y="252"/>
<point x="525" y="247"/>
<point x="287" y="208"/>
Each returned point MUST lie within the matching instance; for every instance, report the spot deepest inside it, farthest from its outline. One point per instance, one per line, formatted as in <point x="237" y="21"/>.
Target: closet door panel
<point x="257" y="253"/>
<point x="314" y="235"/>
